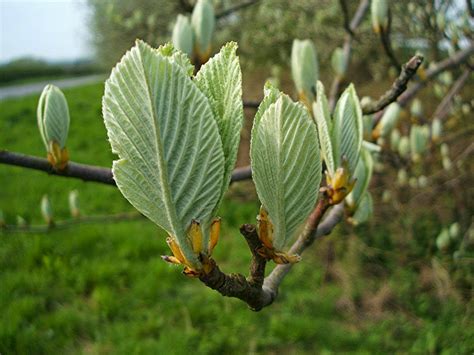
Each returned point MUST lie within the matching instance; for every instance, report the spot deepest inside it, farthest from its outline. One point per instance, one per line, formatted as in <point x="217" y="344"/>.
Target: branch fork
<point x="257" y="290"/>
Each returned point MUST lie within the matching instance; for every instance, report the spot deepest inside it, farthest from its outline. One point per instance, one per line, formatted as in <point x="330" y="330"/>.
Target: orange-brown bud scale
<point x="215" y="233"/>
<point x="176" y="250"/>
<point x="265" y="234"/>
<point x="304" y="99"/>
<point x="339" y="185"/>
<point x="195" y="234"/>
<point x="203" y="57"/>
<point x="265" y="229"/>
<point x="57" y="157"/>
<point x="171" y="259"/>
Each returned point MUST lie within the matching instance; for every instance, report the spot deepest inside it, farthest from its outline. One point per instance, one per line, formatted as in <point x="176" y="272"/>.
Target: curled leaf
<point x="53" y="124"/>
<point x="379" y="12"/>
<point x="338" y="62"/>
<point x="304" y="69"/>
<point x="203" y="22"/>
<point x="388" y="121"/>
<point x="286" y="166"/>
<point x="74" y="203"/>
<point x="363" y="175"/>
<point x="220" y="79"/>
<point x="324" y="124"/>
<point x="364" y="211"/>
<point x="183" y="37"/>
<point x="347" y="131"/>
<point x="162" y="127"/>
<point x="46" y="210"/>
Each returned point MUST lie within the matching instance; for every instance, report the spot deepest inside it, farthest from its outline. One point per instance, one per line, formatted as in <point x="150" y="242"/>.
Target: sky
<point x="54" y="30"/>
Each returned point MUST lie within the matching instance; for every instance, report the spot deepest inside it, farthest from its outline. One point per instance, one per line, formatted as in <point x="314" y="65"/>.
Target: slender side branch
<point x="258" y="263"/>
<point x="451" y="62"/>
<point x="313" y="231"/>
<point x="399" y="86"/>
<point x="347" y="48"/>
<point x="240" y="174"/>
<point x="73" y="170"/>
<point x="83" y="171"/>
<point x="247" y="289"/>
<point x="345" y="13"/>
<point x="231" y="10"/>
<point x="444" y="107"/>
<point x="470" y="7"/>
<point x="448" y="63"/>
<point x="186" y="6"/>
<point x="124" y="216"/>
<point x="256" y="291"/>
<point x="387" y="43"/>
<point x="251" y="104"/>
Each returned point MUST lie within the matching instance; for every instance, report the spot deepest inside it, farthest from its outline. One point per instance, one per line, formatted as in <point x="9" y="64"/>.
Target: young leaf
<point x="53" y="116"/>
<point x="21" y="222"/>
<point x="74" y="203"/>
<point x="176" y="56"/>
<point x="389" y="119"/>
<point x="363" y="174"/>
<point x="46" y="209"/>
<point x="347" y="129"/>
<point x="183" y="37"/>
<point x="379" y="12"/>
<point x="436" y="129"/>
<point x="416" y="108"/>
<point x="364" y="211"/>
<point x="53" y="124"/>
<point x="220" y="79"/>
<point x="395" y="139"/>
<point x="338" y="62"/>
<point x="404" y="147"/>
<point x="164" y="132"/>
<point x="203" y="22"/>
<point x="324" y="124"/>
<point x="304" y="69"/>
<point x="271" y="95"/>
<point x="419" y="139"/>
<point x="286" y="166"/>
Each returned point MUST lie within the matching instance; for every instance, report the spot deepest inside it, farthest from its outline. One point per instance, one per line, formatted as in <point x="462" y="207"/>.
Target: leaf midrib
<point x="163" y="171"/>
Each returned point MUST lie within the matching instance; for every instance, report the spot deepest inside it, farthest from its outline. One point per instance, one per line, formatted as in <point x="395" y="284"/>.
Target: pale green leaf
<point x="363" y="174"/>
<point x="286" y="166"/>
<point x="304" y="67"/>
<point x="347" y="129"/>
<point x="371" y="147"/>
<point x="389" y="119"/>
<point x="46" y="209"/>
<point x="324" y="125"/>
<point x="338" y="62"/>
<point x="379" y="14"/>
<point x="176" y="56"/>
<point x="183" y="36"/>
<point x="53" y="116"/>
<point x="163" y="129"/>
<point x="220" y="79"/>
<point x="365" y="210"/>
<point x="419" y="139"/>
<point x="203" y="22"/>
<point x="271" y="95"/>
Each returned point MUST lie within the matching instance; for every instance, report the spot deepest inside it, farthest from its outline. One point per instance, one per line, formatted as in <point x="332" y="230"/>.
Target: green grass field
<point x="104" y="288"/>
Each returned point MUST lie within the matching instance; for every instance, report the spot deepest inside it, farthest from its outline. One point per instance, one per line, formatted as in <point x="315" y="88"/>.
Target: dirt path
<point x="34" y="88"/>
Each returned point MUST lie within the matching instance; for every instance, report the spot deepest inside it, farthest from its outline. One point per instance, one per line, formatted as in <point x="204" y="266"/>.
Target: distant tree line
<point x="28" y="68"/>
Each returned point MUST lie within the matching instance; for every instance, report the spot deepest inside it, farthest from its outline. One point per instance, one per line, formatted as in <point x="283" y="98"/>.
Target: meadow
<point x="103" y="288"/>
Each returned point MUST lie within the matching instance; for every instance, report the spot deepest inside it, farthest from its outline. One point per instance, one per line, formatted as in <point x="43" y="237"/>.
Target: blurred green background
<point x="383" y="287"/>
